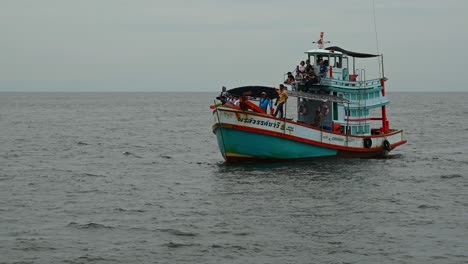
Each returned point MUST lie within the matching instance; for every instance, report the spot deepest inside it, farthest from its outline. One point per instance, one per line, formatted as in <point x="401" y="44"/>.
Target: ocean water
<point x="138" y="178"/>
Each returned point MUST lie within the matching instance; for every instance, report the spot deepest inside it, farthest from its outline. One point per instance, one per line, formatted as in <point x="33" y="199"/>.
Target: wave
<point x="177" y="245"/>
<point x="178" y="232"/>
<point x="90" y="225"/>
<point x="451" y="176"/>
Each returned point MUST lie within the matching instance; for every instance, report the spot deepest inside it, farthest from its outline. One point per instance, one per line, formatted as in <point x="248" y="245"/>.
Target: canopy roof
<point x="352" y="53"/>
<point x="322" y="52"/>
<point x="255" y="91"/>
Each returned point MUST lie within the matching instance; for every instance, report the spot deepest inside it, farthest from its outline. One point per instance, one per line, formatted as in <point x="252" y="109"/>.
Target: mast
<point x="320" y="42"/>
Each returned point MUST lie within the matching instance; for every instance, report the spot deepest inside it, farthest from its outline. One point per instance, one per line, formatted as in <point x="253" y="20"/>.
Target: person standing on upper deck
<point x="283" y="96"/>
<point x="323" y="68"/>
<point x="308" y="66"/>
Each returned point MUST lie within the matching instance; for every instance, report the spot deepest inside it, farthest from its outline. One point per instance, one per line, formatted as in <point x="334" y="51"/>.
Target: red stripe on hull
<point x="307" y="141"/>
<point x="340" y="155"/>
<point x="297" y="124"/>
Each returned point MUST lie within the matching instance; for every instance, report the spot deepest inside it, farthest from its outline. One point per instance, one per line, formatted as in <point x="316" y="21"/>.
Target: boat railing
<point x="361" y="73"/>
<point x="301" y="81"/>
<point x="368" y="103"/>
<point x="357" y="85"/>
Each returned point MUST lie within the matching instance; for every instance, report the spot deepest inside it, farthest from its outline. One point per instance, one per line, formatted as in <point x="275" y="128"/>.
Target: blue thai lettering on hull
<point x="253" y="121"/>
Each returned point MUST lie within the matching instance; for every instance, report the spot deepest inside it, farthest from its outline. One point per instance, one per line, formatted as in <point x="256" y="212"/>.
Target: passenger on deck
<point x="242" y="102"/>
<point x="323" y="68"/>
<point x="265" y="102"/>
<point x="311" y="79"/>
<point x="223" y="96"/>
<point x="302" y="113"/>
<point x="235" y="100"/>
<point x="283" y="96"/>
<point x="308" y="66"/>
<point x="229" y="100"/>
<point x="289" y="79"/>
<point x="299" y="76"/>
<point x="223" y="99"/>
<point x="301" y="67"/>
<point x="319" y="60"/>
<point x="318" y="118"/>
<point x="224" y="92"/>
<point x="322" y="111"/>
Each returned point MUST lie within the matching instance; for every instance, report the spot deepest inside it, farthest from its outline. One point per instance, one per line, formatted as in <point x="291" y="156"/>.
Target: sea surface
<point x="138" y="178"/>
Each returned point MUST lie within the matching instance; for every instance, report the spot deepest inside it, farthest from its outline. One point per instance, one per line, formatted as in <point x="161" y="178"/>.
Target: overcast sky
<point x="154" y="45"/>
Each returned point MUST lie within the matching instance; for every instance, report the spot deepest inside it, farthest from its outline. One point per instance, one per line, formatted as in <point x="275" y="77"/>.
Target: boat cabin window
<point x="336" y="61"/>
<point x="312" y="60"/>
<point x="344" y="62"/>
<point x="315" y="59"/>
<point x="318" y="59"/>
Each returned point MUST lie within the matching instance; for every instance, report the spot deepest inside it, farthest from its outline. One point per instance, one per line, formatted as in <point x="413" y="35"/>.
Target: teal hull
<point x="242" y="145"/>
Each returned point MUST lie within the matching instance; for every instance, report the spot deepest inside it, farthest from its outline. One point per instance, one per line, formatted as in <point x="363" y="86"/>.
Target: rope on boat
<point x="285" y="112"/>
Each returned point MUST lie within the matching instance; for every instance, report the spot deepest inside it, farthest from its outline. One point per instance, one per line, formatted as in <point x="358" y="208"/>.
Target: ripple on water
<point x="178" y="244"/>
<point x="93" y="175"/>
<point x="130" y="210"/>
<point x="91" y="259"/>
<point x="90" y="225"/>
<point x="451" y="176"/>
<point x="178" y="232"/>
<point x="32" y="244"/>
<point x="425" y="206"/>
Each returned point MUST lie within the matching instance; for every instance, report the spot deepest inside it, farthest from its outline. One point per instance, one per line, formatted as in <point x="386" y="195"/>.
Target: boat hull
<point x="238" y="145"/>
<point x="252" y="137"/>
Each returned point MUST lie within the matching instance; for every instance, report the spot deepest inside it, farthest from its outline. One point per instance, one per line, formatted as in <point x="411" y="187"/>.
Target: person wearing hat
<point x="283" y="96"/>
<point x="265" y="102"/>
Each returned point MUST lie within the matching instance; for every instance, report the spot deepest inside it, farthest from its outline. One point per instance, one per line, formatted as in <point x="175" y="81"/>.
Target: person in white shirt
<point x="302" y="68"/>
<point x="235" y="100"/>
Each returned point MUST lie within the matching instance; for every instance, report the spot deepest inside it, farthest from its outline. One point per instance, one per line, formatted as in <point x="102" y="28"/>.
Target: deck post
<point x="385" y="123"/>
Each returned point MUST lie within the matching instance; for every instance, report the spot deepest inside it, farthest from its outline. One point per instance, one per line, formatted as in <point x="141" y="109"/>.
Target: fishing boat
<point x="340" y="114"/>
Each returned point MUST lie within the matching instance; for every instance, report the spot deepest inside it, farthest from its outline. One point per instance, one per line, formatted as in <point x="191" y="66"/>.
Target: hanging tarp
<point x="318" y="97"/>
<point x="352" y="53"/>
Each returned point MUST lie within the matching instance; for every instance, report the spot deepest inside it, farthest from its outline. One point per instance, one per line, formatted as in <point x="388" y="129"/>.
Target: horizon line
<point x="196" y="91"/>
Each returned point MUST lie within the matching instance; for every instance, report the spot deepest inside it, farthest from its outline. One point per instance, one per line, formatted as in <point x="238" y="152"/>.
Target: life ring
<point x="387" y="145"/>
<point x="367" y="142"/>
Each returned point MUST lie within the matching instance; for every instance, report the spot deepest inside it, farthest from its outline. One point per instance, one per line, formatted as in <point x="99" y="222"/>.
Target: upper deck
<point x="332" y="71"/>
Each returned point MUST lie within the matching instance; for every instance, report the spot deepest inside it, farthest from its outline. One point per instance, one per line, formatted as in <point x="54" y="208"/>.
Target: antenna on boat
<point x="320" y="42"/>
<point x="380" y="59"/>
